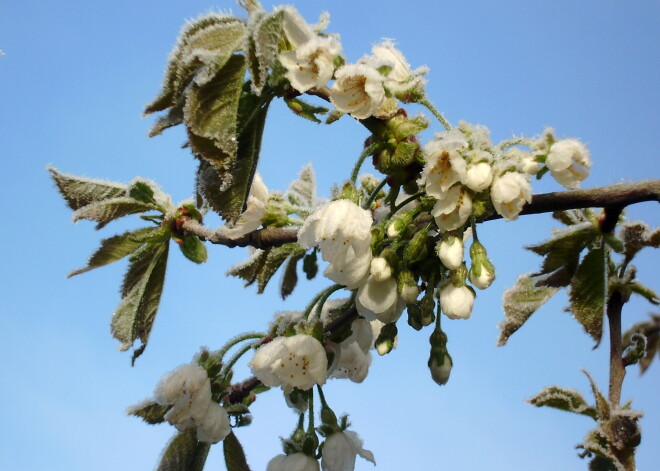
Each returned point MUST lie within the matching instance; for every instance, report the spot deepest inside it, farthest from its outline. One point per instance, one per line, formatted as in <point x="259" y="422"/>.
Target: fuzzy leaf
<point x="644" y="291"/>
<point x="116" y="248"/>
<point x="651" y="330"/>
<point x="80" y="191"/>
<point x="276" y="257"/>
<point x="234" y="455"/>
<point x="305" y="110"/>
<point x="265" y="32"/>
<point x="596" y="442"/>
<point x="568" y="400"/>
<point x="210" y="110"/>
<point x="108" y="210"/>
<point x="149" y="411"/>
<point x="562" y="254"/>
<point x="184" y="453"/>
<point x="519" y="303"/>
<point x="141" y="292"/>
<point x="588" y="292"/>
<point x="302" y="191"/>
<point x="142" y="192"/>
<point x="203" y="47"/>
<point x="193" y="249"/>
<point x="290" y="275"/>
<point x="310" y="265"/>
<point x="602" y="404"/>
<point x="174" y="117"/>
<point x="227" y="195"/>
<point x="249" y="269"/>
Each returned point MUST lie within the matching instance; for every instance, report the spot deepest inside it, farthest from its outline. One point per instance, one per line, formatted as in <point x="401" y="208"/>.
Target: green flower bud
<point x="407" y="286"/>
<point x="416" y="248"/>
<point x="399" y="224"/>
<point x="440" y="367"/>
<point x="415" y="316"/>
<point x="482" y="271"/>
<point x="427" y="305"/>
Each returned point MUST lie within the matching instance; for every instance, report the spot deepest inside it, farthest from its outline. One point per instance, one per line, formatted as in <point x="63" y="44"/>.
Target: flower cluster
<point x="366" y="88"/>
<point x="188" y="390"/>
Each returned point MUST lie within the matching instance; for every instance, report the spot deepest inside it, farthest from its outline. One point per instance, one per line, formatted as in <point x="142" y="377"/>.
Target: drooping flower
<point x="298" y="361"/>
<point x="294" y="462"/>
<point x="341" y="449"/>
<point x="509" y="193"/>
<point x="450" y="252"/>
<point x="444" y="165"/>
<point x="342" y="230"/>
<point x="453" y="209"/>
<point x="479" y="177"/>
<point x="188" y="390"/>
<point x="358" y="90"/>
<point x="569" y="162"/>
<point x="379" y="300"/>
<point x="456" y="301"/>
<point x="254" y="212"/>
<point x="311" y="65"/>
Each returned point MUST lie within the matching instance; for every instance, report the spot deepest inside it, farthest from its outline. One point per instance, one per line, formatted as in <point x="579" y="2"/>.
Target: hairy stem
<point x="617" y="368"/>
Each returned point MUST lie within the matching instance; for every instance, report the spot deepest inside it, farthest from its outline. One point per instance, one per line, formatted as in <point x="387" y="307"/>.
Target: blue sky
<point x="72" y="86"/>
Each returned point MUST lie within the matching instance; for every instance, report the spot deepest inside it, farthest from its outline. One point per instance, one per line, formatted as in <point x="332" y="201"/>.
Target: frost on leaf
<point x="141" y="292"/>
<point x="588" y="292"/>
<point x="262" y="45"/>
<point x="302" y="191"/>
<point x="564" y="399"/>
<point x="519" y="303"/>
<point x="149" y="411"/>
<point x="184" y="453"/>
<point x="81" y="191"/>
<point x="651" y="331"/>
<point x="262" y="265"/>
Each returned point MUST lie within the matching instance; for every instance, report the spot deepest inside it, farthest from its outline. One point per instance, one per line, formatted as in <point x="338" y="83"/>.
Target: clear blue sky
<point x="72" y="86"/>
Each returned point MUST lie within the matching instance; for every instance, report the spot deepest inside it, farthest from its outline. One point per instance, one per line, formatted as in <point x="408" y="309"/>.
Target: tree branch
<point x="619" y="196"/>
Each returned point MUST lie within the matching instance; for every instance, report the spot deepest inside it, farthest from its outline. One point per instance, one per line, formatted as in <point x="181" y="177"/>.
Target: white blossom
<point x="409" y="293"/>
<point x="380" y="269"/>
<point x="215" y="425"/>
<point x="485" y="278"/>
<point x="252" y="217"/>
<point x="440" y="373"/>
<point x="353" y="362"/>
<point x="298" y="361"/>
<point x="529" y="165"/>
<point x="569" y="162"/>
<point x="477" y="134"/>
<point x="479" y="177"/>
<point x="342" y="230"/>
<point x="400" y="79"/>
<point x="450" y="252"/>
<point x="311" y="65"/>
<point x="340" y="451"/>
<point x="453" y="209"/>
<point x="379" y="300"/>
<point x="296" y="29"/>
<point x="509" y="193"/>
<point x="456" y="301"/>
<point x="444" y="165"/>
<point x="294" y="462"/>
<point x="358" y="90"/>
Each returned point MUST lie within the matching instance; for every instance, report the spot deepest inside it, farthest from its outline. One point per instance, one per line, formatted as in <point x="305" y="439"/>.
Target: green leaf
<point x="174" y="117"/>
<point x="108" y="210"/>
<point x="80" y="191"/>
<point x="194" y="249"/>
<point x="141" y="292"/>
<point x="142" y="192"/>
<point x="602" y="404"/>
<point x="211" y="111"/>
<point x="234" y="455"/>
<point x="204" y="47"/>
<point x="562" y="254"/>
<point x="302" y="191"/>
<point x="149" y="411"/>
<point x="644" y="291"/>
<point x="519" y="303"/>
<point x="228" y="194"/>
<point x="596" y="442"/>
<point x="305" y="110"/>
<point x="651" y="330"/>
<point x="310" y="265"/>
<point x="588" y="292"/>
<point x="116" y="248"/>
<point x="265" y="32"/>
<point x="568" y="400"/>
<point x="184" y="453"/>
<point x="276" y="257"/>
<point x="249" y="269"/>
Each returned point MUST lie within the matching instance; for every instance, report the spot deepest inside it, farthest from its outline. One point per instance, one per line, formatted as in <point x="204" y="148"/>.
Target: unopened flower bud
<point x="440" y="368"/>
<point x="399" y="224"/>
<point x="407" y="287"/>
<point x="427" y="306"/>
<point x="482" y="271"/>
<point x="479" y="177"/>
<point x="456" y="301"/>
<point x="385" y="341"/>
<point x="450" y="251"/>
<point x="529" y="165"/>
<point x="415" y="316"/>
<point x="416" y="248"/>
<point x="380" y="269"/>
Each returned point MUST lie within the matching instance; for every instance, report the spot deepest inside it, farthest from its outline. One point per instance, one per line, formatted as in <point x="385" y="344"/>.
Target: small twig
<point x="617" y="369"/>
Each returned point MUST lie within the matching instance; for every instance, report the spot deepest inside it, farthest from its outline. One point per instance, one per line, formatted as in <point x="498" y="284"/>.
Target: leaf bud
<point x="385" y="341"/>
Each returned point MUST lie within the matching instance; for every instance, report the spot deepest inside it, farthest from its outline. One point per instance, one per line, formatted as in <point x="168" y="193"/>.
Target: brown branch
<point x="614" y="196"/>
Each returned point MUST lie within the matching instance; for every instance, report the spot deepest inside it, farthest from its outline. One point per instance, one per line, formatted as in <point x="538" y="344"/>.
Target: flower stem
<point x="235" y="341"/>
<point x="310" y="411"/>
<point x="324" y="298"/>
<point x="317" y="298"/>
<point x="375" y="194"/>
<point x="365" y="153"/>
<point x="237" y="356"/>
<point x="617" y="368"/>
<point x="426" y="103"/>
<point x="516" y="141"/>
